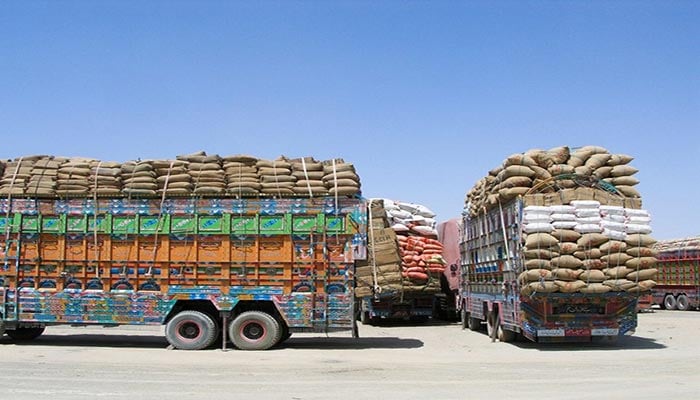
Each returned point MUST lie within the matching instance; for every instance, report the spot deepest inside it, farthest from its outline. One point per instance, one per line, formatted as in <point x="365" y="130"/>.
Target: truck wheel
<point x="682" y="302"/>
<point x="254" y="330"/>
<point x="491" y="324"/>
<point x="285" y="333"/>
<point x="191" y="330"/>
<point x="22" y="334"/>
<point x="364" y="318"/>
<point x="474" y="324"/>
<point x="464" y="318"/>
<point x="2" y="327"/>
<point x="505" y="335"/>
<point x="670" y="302"/>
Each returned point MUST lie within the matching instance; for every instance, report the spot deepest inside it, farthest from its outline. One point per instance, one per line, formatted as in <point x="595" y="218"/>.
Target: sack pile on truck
<point x="400" y="257"/>
<point x="583" y="228"/>
<point x="587" y="247"/>
<point x="190" y="174"/>
<point x="557" y="171"/>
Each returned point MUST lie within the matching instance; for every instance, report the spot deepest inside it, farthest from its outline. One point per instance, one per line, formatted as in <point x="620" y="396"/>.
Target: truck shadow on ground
<point x="159" y="342"/>
<point x="89" y="340"/>
<point x="623" y="343"/>
<point x="348" y="343"/>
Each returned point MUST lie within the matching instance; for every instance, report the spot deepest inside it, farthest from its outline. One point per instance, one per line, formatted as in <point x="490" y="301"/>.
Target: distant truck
<point x="401" y="278"/>
<point x="678" y="279"/>
<point x="493" y="291"/>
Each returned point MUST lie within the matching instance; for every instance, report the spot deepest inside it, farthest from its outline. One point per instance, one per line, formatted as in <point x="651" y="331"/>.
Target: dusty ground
<point x="436" y="361"/>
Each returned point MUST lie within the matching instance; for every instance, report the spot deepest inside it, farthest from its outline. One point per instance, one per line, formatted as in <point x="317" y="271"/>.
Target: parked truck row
<point x="552" y="245"/>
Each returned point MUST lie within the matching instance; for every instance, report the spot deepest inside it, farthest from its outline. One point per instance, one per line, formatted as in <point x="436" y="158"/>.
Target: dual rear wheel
<point x="250" y="330"/>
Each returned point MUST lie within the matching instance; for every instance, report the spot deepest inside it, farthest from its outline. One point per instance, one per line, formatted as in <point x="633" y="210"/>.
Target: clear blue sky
<point x="423" y="97"/>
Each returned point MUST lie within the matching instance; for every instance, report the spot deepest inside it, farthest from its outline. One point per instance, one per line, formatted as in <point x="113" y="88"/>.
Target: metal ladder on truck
<point x="11" y="258"/>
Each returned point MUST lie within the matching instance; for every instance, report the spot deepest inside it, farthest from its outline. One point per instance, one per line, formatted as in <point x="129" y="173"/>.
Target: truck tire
<point x="25" y="334"/>
<point x="474" y="324"/>
<point x="254" y="330"/>
<point x="284" y="335"/>
<point x="464" y="318"/>
<point x="682" y="302"/>
<point x="491" y="324"/>
<point x="505" y="335"/>
<point x="2" y="327"/>
<point x="670" y="302"/>
<point x="191" y="330"/>
<point x="365" y="318"/>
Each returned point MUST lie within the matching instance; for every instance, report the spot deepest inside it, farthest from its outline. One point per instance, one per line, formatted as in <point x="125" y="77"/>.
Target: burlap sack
<point x="570" y="286"/>
<point x="641" y="263"/>
<point x="642" y="274"/>
<point x="642" y="252"/>
<point x="640" y="240"/>
<point x="592" y="275"/>
<point x="566" y="261"/>
<point x="540" y="240"/>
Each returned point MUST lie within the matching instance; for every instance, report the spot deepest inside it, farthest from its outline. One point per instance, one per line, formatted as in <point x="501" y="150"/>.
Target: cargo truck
<point x="252" y="270"/>
<point x="401" y="276"/>
<point x="493" y="257"/>
<point x="678" y="279"/>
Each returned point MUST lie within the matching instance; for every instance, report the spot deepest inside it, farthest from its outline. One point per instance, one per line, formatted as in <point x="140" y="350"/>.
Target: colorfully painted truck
<point x="494" y="258"/>
<point x="556" y="247"/>
<point x="678" y="279"/>
<point x="253" y="269"/>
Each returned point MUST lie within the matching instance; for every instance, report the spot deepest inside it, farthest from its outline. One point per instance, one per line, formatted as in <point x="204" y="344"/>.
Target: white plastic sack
<point x="588" y="228"/>
<point x="537" y="210"/>
<point x="615" y="218"/>
<point x="399" y="213"/>
<point x="588" y="212"/>
<point x="639" y="220"/>
<point x="612" y="210"/>
<point x="539" y="227"/>
<point x="589" y="220"/>
<point x="632" y="212"/>
<point x="564" y="224"/>
<point x="536" y="218"/>
<point x="638" y="228"/>
<point x="400" y="228"/>
<point x="562" y="209"/>
<point x="579" y="204"/>
<point x="563" y="217"/>
<point x="615" y="235"/>
<point x="613" y="226"/>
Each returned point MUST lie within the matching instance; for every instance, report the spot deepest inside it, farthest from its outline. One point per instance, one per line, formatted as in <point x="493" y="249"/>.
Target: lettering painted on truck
<point x="271" y="222"/>
<point x="550" y="332"/>
<point x="605" y="332"/>
<point x="208" y="223"/>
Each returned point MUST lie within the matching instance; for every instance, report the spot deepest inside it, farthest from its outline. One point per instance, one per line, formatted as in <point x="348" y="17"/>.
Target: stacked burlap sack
<point x="586" y="247"/>
<point x="190" y="174"/>
<point x="340" y="178"/>
<point x="43" y="179"/>
<point x="550" y="171"/>
<point x="309" y="175"/>
<point x="16" y="175"/>
<point x="276" y="177"/>
<point x="105" y="178"/>
<point x="405" y="262"/>
<point x="207" y="174"/>
<point x="139" y="178"/>
<point x="241" y="175"/>
<point x="74" y="176"/>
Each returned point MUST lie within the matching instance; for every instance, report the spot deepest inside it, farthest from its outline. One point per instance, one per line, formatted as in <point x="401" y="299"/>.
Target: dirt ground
<point x="431" y="361"/>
